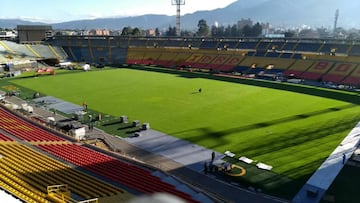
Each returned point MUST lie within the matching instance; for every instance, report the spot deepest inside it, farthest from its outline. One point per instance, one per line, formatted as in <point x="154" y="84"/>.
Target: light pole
<point x="178" y="4"/>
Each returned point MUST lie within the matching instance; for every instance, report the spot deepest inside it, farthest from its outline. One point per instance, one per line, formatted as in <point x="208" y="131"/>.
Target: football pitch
<point x="290" y="131"/>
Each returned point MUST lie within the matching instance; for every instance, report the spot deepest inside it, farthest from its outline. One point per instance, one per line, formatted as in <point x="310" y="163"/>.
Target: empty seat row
<point x="35" y="171"/>
<point x="5" y="138"/>
<point x="114" y="169"/>
<point x="23" y="129"/>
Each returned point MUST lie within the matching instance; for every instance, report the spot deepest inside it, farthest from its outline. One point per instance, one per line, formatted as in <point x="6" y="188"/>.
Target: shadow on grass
<point x="125" y="127"/>
<point x="133" y="131"/>
<point x="201" y="134"/>
<point x="301" y="136"/>
<point x="269" y="182"/>
<point x="112" y="123"/>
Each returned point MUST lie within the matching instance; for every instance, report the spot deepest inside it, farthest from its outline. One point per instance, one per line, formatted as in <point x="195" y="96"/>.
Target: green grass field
<point x="293" y="132"/>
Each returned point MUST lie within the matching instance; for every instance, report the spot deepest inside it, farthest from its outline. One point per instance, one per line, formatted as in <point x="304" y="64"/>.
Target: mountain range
<point x="286" y="13"/>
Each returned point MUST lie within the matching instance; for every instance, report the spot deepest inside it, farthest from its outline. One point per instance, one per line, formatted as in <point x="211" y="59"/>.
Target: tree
<point x="171" y="31"/>
<point x="136" y="32"/>
<point x="227" y="31"/>
<point x="256" y="30"/>
<point x="187" y="33"/>
<point x="247" y="31"/>
<point x="217" y="31"/>
<point x="289" y="34"/>
<point x="203" y="28"/>
<point x="214" y="31"/>
<point x="234" y="32"/>
<point x="126" y="31"/>
<point x="157" y="32"/>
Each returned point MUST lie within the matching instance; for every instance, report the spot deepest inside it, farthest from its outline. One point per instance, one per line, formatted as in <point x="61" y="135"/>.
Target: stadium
<point x="232" y="120"/>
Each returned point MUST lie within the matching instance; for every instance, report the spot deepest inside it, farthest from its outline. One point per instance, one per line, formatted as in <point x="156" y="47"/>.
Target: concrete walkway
<point x="186" y="153"/>
<point x="320" y="181"/>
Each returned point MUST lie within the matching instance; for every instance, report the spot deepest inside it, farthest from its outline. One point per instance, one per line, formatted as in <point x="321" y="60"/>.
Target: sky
<point x="54" y="11"/>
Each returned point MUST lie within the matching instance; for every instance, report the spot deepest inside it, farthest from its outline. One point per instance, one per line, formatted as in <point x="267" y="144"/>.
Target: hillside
<point x="287" y="13"/>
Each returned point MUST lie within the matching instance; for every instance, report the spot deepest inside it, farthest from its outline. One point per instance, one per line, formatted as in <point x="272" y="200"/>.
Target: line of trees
<point x="129" y="31"/>
<point x="204" y="30"/>
<point x="220" y="31"/>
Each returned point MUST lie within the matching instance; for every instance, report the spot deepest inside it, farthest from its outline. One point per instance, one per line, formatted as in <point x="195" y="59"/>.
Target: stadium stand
<point x="276" y="45"/>
<point x="317" y="70"/>
<point x="166" y="58"/>
<point x="355" y="50"/>
<point x="3" y="54"/>
<point x="203" y="61"/>
<point x="174" y="43"/>
<point x="297" y="56"/>
<point x="6" y="49"/>
<point x="308" y="47"/>
<point x="135" y="55"/>
<point x="259" y="53"/>
<point x="218" y="62"/>
<point x="138" y="42"/>
<point x="150" y="57"/>
<point x="231" y="62"/>
<point x="181" y="57"/>
<point x="191" y="59"/>
<point x="209" y="44"/>
<point x="58" y="52"/>
<point x="122" y="42"/>
<point x="81" y="54"/>
<point x="353" y="78"/>
<point x="5" y="138"/>
<point x="228" y="44"/>
<point x="263" y="62"/>
<point x="329" y="58"/>
<point x="250" y="53"/>
<point x="18" y="50"/>
<point x="298" y="68"/>
<point x="28" y="46"/>
<point x="113" y="169"/>
<point x="70" y="53"/>
<point x="334" y="48"/>
<point x="263" y="45"/>
<point x="291" y="56"/>
<point x="98" y="42"/>
<point x="193" y="43"/>
<point x="289" y="46"/>
<point x="248" y="45"/>
<point x="44" y="51"/>
<point x="286" y="55"/>
<point x="118" y="55"/>
<point x="23" y="129"/>
<point x="339" y="72"/>
<point x="30" y="173"/>
<point x="99" y="55"/>
<point x="274" y="54"/>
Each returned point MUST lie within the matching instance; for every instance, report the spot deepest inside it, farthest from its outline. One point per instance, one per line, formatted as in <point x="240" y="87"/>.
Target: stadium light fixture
<point x="178" y="4"/>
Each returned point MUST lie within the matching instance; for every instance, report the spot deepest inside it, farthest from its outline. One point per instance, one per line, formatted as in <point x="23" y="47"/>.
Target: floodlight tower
<point x="336" y="20"/>
<point x="178" y="4"/>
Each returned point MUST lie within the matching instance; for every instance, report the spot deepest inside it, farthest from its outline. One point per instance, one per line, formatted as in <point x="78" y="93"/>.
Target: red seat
<point x="113" y="169"/>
